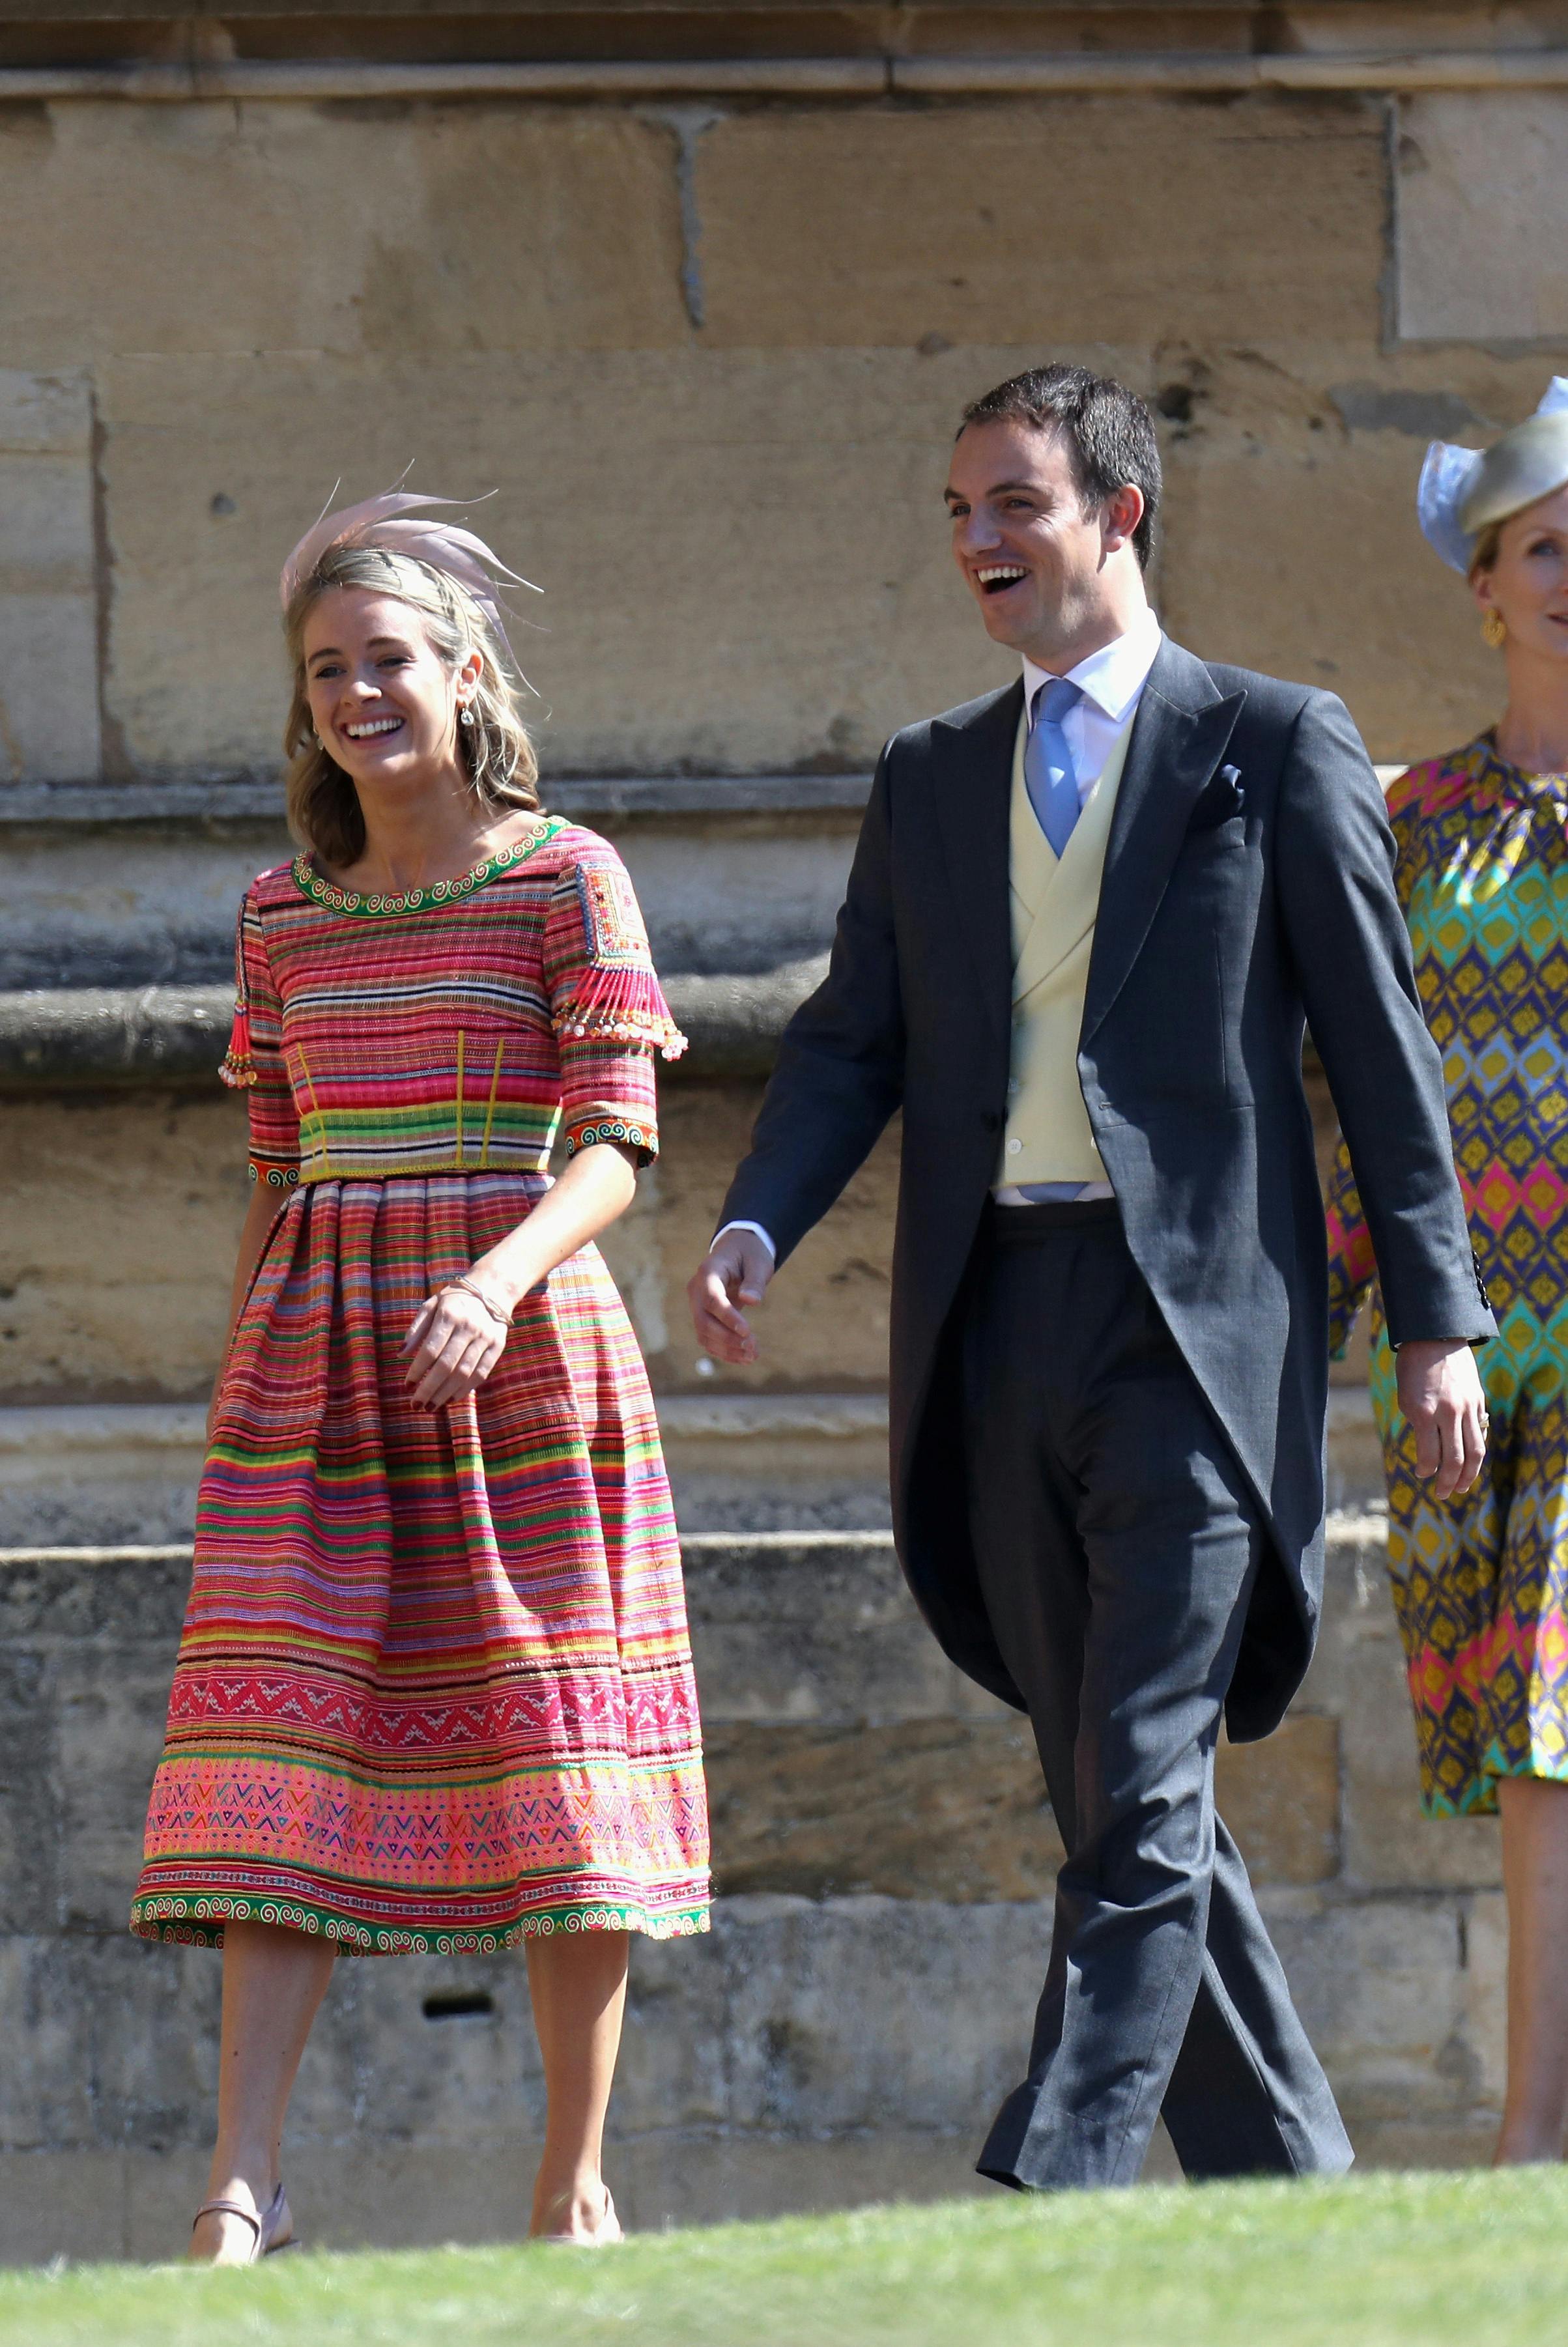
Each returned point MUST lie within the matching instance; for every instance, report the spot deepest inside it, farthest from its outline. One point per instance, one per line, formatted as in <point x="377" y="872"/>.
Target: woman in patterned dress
<point x="434" y="1691"/>
<point x="1480" y="1582"/>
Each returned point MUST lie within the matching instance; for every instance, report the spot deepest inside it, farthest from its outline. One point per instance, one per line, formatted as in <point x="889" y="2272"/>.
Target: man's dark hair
<point x="1107" y="428"/>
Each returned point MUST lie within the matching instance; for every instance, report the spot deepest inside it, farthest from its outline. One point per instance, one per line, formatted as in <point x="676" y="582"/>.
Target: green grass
<point x="1373" y="2261"/>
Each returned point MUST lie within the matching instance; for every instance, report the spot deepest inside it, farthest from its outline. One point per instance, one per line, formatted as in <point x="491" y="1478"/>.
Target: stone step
<point x="105" y="1473"/>
<point x="882" y="1852"/>
<point x="846" y="1755"/>
<point x="53" y="1036"/>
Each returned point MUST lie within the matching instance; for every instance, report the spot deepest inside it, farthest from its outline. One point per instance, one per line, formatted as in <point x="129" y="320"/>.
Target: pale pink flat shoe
<point x="606" y="2236"/>
<point x="274" y="2221"/>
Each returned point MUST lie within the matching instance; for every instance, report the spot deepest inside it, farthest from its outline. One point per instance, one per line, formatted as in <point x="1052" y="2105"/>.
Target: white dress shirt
<point x="1111" y="682"/>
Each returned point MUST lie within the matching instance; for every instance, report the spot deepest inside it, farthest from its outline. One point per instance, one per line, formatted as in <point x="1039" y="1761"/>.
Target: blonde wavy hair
<point x="324" y="814"/>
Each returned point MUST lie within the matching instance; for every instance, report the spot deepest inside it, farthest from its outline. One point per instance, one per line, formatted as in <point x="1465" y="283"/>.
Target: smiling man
<point x="1088" y="917"/>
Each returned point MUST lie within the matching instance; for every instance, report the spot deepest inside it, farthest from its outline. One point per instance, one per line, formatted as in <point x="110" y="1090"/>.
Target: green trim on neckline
<point x="310" y="883"/>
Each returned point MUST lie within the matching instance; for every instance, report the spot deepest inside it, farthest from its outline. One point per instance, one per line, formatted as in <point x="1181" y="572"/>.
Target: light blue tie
<point x="1049" y="775"/>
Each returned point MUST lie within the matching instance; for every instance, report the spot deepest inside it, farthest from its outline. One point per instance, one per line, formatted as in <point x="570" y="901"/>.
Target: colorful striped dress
<point x="1481" y="1582"/>
<point x="434" y="1688"/>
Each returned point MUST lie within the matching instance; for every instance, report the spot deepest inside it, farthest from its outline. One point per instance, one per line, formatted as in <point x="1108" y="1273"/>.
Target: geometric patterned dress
<point x="435" y="1689"/>
<point x="1481" y="1582"/>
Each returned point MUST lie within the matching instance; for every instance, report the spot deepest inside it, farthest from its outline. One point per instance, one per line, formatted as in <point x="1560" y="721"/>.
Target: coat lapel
<point x="1179" y="737"/>
<point x="974" y="803"/>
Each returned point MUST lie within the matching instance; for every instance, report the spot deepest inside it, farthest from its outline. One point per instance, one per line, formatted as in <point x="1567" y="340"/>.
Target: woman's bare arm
<point x="454" y="1342"/>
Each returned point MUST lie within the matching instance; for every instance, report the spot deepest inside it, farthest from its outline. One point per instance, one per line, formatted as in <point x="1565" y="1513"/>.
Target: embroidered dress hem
<point x="196" y="1920"/>
<point x="1479" y="1797"/>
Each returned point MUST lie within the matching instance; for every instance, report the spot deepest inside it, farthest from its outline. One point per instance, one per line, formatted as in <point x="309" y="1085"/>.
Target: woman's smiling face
<point x="382" y="700"/>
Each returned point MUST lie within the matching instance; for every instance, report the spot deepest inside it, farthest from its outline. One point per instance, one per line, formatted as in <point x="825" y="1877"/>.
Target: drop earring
<point x="464" y="714"/>
<point x="1494" y="630"/>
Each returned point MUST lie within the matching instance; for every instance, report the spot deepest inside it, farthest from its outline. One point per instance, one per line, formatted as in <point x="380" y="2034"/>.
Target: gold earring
<point x="1493" y="630"/>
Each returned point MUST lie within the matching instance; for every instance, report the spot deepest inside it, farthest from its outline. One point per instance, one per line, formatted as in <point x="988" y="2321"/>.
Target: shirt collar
<point x="1111" y="678"/>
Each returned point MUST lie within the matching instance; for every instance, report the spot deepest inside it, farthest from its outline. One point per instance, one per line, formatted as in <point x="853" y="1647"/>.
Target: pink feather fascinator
<point x="383" y="522"/>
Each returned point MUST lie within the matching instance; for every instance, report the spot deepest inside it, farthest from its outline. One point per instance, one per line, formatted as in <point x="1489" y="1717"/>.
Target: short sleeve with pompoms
<point x="254" y="1061"/>
<point x="607" y="1007"/>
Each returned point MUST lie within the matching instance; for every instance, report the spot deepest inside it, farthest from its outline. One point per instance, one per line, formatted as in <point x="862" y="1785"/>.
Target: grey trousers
<point x="1117" y="1544"/>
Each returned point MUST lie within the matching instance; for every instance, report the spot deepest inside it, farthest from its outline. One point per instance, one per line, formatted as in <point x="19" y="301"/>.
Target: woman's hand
<point x="455" y="1341"/>
<point x="457" y="1338"/>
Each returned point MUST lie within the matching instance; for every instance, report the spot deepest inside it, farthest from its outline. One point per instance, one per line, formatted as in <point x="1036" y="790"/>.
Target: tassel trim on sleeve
<point x="619" y="1006"/>
<point x="238" y="1068"/>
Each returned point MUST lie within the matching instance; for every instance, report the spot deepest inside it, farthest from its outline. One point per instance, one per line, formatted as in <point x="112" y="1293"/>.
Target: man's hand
<point x="735" y="1270"/>
<point x="1440" y="1395"/>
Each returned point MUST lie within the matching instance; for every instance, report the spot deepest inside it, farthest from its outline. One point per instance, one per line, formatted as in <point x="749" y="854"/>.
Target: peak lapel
<point x="1179" y="737"/>
<point x="974" y="801"/>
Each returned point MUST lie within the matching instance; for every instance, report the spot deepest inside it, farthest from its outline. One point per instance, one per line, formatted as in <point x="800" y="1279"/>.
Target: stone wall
<point x="700" y="290"/>
<point x="884" y="1861"/>
<point x="738" y="526"/>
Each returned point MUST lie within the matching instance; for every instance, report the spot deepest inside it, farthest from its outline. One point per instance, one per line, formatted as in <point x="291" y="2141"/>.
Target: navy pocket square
<point x="1223" y="798"/>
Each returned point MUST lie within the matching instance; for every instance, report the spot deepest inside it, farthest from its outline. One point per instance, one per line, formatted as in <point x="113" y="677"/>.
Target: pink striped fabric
<point x="435" y="1688"/>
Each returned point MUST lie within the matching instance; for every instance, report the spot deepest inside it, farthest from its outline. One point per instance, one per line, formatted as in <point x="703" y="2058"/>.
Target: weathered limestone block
<point x="1485" y="1961"/>
<point x="926" y="1808"/>
<point x="87" y="1653"/>
<point x="1382" y="1987"/>
<point x="957" y="1808"/>
<point x="110" y="1705"/>
<point x="820" y="1629"/>
<point x="1358" y="1673"/>
<point x="767" y="1480"/>
<point x="1341" y="514"/>
<point x="1281" y="1800"/>
<point x="763" y="2024"/>
<point x="117" y="1246"/>
<point x="719" y="639"/>
<point x="29" y="1852"/>
<point x="824" y="1322"/>
<point x="366" y="2191"/>
<point x="48" y="593"/>
<point x="888" y="227"/>
<point x="1482" y="214"/>
<point x="509" y="228"/>
<point x="954" y="1993"/>
<point x="110" y="2042"/>
<point x="750" y="456"/>
<point x="91" y="1475"/>
<point x="129" y="907"/>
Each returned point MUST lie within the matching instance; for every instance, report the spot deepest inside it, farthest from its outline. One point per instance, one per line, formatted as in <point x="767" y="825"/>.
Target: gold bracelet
<point x="492" y="1307"/>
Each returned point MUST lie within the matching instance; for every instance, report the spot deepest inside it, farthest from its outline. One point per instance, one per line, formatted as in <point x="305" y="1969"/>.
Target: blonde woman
<point x="1481" y="1580"/>
<point x="433" y="1692"/>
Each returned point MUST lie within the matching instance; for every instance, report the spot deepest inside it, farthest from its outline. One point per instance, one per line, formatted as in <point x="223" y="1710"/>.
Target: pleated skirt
<point x="433" y="1690"/>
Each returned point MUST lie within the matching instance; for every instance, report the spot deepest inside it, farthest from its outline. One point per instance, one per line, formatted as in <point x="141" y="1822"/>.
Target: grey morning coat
<point x="1248" y="890"/>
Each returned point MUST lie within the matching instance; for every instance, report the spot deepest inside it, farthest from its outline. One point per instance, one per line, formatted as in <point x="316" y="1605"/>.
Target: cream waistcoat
<point x="1054" y="906"/>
